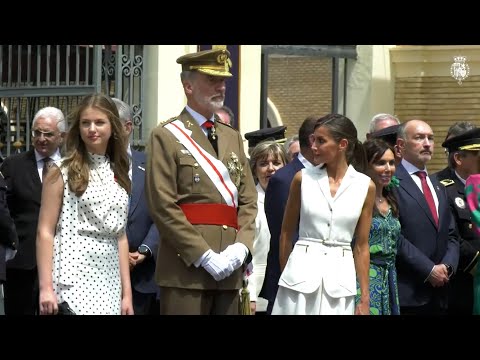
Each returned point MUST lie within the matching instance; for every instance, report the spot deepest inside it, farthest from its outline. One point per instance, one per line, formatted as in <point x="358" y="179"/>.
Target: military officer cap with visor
<point x="276" y="133"/>
<point x="214" y="62"/>
<point x="388" y="134"/>
<point x="468" y="141"/>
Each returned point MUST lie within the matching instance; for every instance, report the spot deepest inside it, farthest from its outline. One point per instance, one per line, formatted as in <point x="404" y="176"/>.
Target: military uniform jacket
<point x="174" y="177"/>
<point x="469" y="240"/>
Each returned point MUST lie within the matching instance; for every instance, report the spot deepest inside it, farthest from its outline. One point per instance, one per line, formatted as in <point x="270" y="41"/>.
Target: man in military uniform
<point x="463" y="147"/>
<point x="201" y="195"/>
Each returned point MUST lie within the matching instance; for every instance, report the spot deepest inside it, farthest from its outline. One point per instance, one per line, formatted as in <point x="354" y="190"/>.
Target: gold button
<point x="225" y="227"/>
<point x="470" y="226"/>
<point x="195" y="165"/>
<point x="178" y="255"/>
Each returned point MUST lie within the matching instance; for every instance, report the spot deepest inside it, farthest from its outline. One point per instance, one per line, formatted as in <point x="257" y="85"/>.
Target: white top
<point x="86" y="271"/>
<point x="412" y="169"/>
<point x="332" y="220"/>
<point x="261" y="245"/>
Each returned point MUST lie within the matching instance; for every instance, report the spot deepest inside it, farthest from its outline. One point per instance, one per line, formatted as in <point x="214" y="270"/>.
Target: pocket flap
<point x="301" y="273"/>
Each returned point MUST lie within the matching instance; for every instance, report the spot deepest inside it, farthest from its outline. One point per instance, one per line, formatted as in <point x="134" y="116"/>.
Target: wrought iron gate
<point x="35" y="76"/>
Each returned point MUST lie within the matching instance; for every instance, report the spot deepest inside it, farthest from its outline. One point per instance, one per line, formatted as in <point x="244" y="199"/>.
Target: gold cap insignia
<point x="215" y="62"/>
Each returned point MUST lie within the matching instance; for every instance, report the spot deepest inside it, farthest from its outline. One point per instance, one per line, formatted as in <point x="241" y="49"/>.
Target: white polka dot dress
<point x="86" y="271"/>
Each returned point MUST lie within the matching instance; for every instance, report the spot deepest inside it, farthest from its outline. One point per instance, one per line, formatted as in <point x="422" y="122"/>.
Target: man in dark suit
<point x="379" y="122"/>
<point x="23" y="175"/>
<point x="463" y="146"/>
<point x="428" y="246"/>
<point x="8" y="237"/>
<point x="142" y="234"/>
<point x="276" y="197"/>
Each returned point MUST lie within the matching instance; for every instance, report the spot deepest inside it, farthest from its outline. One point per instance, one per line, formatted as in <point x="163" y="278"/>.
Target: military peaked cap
<point x="275" y="133"/>
<point x="469" y="140"/>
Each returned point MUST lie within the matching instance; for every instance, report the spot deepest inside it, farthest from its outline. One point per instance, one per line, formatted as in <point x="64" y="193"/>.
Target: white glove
<point x="236" y="254"/>
<point x="217" y="265"/>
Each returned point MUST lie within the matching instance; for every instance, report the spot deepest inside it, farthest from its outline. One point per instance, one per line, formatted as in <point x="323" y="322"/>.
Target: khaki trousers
<point x="176" y="301"/>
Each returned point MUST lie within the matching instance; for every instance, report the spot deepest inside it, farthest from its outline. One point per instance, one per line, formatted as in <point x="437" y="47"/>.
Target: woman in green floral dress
<point x="384" y="231"/>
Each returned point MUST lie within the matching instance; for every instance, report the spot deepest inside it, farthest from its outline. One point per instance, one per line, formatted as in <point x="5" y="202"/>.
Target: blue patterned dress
<point x="383" y="237"/>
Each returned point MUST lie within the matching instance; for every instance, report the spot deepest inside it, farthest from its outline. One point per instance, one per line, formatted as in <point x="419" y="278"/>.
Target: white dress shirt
<point x="39" y="158"/>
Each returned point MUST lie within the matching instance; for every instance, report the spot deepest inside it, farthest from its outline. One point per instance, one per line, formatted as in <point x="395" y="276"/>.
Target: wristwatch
<point x="449" y="269"/>
<point x="144" y="250"/>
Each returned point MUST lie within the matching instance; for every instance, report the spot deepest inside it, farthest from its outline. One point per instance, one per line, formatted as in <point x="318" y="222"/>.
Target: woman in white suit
<point x="265" y="159"/>
<point x="331" y="203"/>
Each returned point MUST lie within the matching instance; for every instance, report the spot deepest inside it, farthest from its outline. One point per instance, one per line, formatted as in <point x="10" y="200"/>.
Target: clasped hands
<point x="439" y="276"/>
<point x="224" y="264"/>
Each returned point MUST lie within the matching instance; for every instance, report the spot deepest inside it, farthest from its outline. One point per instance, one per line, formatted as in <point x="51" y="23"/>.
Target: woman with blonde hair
<point x="82" y="248"/>
<point x="265" y="159"/>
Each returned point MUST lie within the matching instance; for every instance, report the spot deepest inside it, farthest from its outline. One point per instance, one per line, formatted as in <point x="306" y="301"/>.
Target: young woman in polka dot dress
<point x="82" y="248"/>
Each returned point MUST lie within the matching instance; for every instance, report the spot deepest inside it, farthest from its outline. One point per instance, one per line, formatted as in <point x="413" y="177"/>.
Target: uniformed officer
<point x="463" y="150"/>
<point x="201" y="195"/>
<point x="255" y="137"/>
<point x="389" y="135"/>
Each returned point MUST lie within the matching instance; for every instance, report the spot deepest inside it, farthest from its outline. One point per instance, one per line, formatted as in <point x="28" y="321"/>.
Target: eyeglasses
<point x="47" y="135"/>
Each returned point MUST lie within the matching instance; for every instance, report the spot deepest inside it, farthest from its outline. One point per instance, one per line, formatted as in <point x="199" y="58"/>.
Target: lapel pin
<point x="141" y="168"/>
<point x="196" y="178"/>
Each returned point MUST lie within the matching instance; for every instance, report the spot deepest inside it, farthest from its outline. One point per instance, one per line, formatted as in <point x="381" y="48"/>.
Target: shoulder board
<point x="447" y="182"/>
<point x="165" y="122"/>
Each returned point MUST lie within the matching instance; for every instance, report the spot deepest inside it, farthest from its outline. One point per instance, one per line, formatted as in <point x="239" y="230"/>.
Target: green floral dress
<point x="383" y="237"/>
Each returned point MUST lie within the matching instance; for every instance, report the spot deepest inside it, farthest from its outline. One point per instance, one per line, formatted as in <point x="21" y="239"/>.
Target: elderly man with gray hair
<point x="142" y="234"/>
<point x="24" y="174"/>
<point x="292" y="147"/>
<point x="381" y="121"/>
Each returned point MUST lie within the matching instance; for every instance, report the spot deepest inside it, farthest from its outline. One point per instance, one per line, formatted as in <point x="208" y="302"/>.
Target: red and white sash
<point x="214" y="168"/>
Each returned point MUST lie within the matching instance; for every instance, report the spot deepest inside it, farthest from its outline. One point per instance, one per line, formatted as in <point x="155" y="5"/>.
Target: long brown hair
<point x="77" y="159"/>
<point x="375" y="149"/>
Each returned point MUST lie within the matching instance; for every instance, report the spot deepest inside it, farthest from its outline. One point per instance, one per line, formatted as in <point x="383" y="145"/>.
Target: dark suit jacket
<point x="24" y="192"/>
<point x="421" y="244"/>
<point x="141" y="229"/>
<point x="276" y="197"/>
<point x="8" y="233"/>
